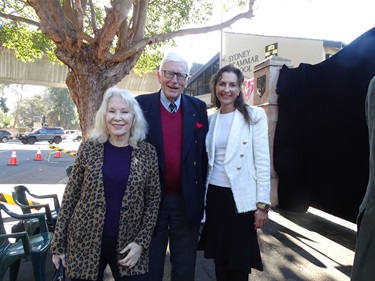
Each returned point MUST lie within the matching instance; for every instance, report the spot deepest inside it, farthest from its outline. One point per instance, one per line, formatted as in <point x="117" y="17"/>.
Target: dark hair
<point x="239" y="102"/>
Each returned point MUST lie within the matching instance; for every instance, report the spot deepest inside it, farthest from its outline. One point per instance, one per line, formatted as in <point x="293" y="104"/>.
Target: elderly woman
<point x="110" y="204"/>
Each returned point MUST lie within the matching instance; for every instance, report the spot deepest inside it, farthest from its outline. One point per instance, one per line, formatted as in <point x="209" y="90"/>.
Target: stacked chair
<point x="32" y="234"/>
<point x="68" y="170"/>
<point x="20" y="195"/>
<point x="27" y="245"/>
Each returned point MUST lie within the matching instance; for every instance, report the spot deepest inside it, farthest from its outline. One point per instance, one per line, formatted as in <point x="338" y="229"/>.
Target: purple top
<point x="116" y="169"/>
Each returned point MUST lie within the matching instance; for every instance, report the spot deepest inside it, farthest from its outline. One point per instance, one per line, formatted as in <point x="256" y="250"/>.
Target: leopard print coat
<point x="79" y="227"/>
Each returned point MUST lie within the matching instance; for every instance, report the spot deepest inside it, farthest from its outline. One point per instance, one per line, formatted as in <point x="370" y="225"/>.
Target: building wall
<point x="247" y="50"/>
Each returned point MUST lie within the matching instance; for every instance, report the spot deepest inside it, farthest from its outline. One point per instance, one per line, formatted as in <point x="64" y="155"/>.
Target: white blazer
<point x="247" y="158"/>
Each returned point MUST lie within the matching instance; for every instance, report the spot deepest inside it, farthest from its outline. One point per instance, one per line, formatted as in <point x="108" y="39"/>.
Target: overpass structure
<point x="43" y="72"/>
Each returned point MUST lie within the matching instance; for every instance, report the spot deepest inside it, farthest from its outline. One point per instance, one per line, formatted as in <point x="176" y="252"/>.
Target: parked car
<point x="50" y="134"/>
<point x="5" y="136"/>
<point x="74" y="135"/>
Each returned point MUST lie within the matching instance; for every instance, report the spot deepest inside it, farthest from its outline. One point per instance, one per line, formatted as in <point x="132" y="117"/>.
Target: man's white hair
<point x="176" y="57"/>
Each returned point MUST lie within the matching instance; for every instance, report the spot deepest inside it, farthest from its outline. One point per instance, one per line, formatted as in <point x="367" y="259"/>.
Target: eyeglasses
<point x="170" y="74"/>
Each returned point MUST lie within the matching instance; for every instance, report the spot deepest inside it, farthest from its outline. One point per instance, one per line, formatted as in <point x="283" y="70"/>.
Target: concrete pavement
<point x="295" y="247"/>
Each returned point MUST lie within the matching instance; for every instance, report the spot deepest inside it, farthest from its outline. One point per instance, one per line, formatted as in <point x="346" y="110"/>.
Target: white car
<point x="74" y="135"/>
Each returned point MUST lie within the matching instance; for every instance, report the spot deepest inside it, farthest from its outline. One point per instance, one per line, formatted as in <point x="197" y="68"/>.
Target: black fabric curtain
<point x="321" y="141"/>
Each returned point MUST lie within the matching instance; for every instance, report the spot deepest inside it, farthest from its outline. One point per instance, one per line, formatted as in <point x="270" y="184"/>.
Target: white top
<point x="247" y="160"/>
<point x="219" y="176"/>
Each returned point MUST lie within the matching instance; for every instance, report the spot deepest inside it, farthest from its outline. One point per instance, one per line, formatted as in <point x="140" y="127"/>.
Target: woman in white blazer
<point x="238" y="182"/>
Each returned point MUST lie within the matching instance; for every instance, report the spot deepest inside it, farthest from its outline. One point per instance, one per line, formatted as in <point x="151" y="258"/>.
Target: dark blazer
<point x="194" y="158"/>
<point x="364" y="259"/>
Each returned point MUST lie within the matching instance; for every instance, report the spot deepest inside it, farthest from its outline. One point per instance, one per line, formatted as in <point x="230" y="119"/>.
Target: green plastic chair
<point x="68" y="170"/>
<point x="34" y="246"/>
<point x="19" y="194"/>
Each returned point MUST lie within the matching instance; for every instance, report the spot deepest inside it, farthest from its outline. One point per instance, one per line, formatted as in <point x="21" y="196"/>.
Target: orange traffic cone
<point x="13" y="159"/>
<point x="57" y="155"/>
<point x="38" y="156"/>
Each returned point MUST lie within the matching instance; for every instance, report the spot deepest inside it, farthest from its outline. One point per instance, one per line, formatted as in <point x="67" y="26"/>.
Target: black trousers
<point x="183" y="240"/>
<point x="108" y="256"/>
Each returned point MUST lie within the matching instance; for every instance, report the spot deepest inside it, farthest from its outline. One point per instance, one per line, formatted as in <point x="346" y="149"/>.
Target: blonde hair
<point x="139" y="127"/>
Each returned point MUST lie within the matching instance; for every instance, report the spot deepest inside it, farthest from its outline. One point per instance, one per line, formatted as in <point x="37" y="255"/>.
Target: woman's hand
<point x="56" y="260"/>
<point x="134" y="252"/>
<point x="260" y="219"/>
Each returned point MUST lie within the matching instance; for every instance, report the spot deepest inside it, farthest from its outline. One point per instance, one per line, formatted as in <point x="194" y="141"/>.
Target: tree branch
<point x="106" y="34"/>
<point x="55" y="25"/>
<point x="140" y="22"/>
<point x="49" y="17"/>
<point x="93" y="17"/>
<point x="141" y="44"/>
<point x="80" y="16"/>
<point x="74" y="14"/>
<point x="123" y="30"/>
<point x="19" y="19"/>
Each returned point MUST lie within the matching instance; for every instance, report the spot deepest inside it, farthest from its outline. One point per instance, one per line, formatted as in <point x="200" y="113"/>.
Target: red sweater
<point x="172" y="139"/>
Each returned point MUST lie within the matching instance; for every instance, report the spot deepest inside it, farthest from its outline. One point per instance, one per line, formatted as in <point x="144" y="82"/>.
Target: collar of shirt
<point x="165" y="101"/>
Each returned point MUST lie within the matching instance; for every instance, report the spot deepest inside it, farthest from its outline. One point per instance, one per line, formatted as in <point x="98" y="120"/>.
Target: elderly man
<point x="178" y="127"/>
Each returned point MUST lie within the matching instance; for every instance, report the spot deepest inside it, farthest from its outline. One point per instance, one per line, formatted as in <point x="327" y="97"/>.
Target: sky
<point x="335" y="20"/>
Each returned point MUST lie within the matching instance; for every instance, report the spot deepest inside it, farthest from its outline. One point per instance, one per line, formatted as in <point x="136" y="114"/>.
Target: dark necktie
<point x="172" y="107"/>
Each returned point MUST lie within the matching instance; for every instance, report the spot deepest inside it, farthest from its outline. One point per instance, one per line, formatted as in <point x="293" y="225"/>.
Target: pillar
<point x="266" y="75"/>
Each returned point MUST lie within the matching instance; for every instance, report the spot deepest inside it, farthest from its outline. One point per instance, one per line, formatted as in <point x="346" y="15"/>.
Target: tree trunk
<point x="87" y="95"/>
<point x="89" y="80"/>
<point x="17" y="111"/>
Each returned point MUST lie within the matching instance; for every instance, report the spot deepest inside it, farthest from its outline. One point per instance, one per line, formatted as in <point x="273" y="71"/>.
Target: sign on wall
<point x="244" y="60"/>
<point x="271" y="50"/>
